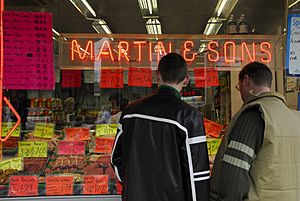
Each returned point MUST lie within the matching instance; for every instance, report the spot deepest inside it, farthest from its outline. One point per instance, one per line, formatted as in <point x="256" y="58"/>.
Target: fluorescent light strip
<point x="88" y="6"/>
<point x="55" y="32"/>
<point x="75" y="5"/>
<point x="294" y="3"/>
<point x="221" y="7"/>
<point x="150" y="6"/>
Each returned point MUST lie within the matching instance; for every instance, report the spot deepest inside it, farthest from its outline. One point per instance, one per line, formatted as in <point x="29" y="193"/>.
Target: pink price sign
<point x="71" y="148"/>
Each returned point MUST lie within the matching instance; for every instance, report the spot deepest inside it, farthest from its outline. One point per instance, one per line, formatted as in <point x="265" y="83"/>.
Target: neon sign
<point x="229" y="50"/>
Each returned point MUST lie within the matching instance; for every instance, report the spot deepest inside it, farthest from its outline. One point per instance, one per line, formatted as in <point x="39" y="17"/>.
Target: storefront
<point x="61" y="149"/>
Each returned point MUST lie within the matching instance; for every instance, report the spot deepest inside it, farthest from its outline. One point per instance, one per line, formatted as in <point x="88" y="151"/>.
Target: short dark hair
<point x="172" y="68"/>
<point x="258" y="72"/>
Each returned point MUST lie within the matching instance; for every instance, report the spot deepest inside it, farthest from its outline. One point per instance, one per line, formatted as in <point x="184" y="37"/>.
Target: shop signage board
<point x="28" y="50"/>
<point x="293" y="45"/>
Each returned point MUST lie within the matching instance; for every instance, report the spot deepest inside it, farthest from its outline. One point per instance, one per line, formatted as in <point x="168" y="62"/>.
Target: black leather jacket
<point x="160" y="151"/>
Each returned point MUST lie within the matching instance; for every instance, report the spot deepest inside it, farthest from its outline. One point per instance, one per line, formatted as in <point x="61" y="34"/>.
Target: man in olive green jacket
<point x="259" y="158"/>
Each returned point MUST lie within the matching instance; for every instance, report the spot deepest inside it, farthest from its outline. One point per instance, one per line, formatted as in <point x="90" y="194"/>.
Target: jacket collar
<point x="165" y="89"/>
<point x="252" y="97"/>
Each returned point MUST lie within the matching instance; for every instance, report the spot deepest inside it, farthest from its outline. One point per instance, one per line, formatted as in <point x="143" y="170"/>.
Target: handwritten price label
<point x="206" y="77"/>
<point x="95" y="184"/>
<point x="213" y="146"/>
<point x="111" y="78"/>
<point x="33" y="149"/>
<point x="71" y="148"/>
<point x="211" y="128"/>
<point x="44" y="130"/>
<point x="106" y="130"/>
<point x="77" y="134"/>
<point x="23" y="185"/>
<point x="7" y="126"/>
<point x="59" y="185"/>
<point x="104" y="145"/>
<point x="140" y="77"/>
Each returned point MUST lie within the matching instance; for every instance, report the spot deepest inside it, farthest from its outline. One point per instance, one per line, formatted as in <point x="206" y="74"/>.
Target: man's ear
<point x="186" y="80"/>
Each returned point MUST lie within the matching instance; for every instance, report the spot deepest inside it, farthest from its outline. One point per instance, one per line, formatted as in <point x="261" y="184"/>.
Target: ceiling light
<point x="153" y="26"/>
<point x="148" y="7"/>
<point x="57" y="35"/>
<point x="224" y="8"/>
<point x="213" y="26"/>
<point x="83" y="7"/>
<point x="101" y="27"/>
<point x="294" y="3"/>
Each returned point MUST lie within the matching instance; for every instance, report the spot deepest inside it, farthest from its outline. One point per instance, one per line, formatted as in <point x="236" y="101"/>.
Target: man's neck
<point x="260" y="90"/>
<point x="175" y="86"/>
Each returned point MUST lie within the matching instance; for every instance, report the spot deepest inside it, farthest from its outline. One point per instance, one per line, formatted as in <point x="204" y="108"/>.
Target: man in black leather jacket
<point x="160" y="151"/>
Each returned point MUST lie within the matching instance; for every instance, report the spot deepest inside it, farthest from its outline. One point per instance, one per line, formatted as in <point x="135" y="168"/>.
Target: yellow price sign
<point x="7" y="126"/>
<point x="13" y="163"/>
<point x="106" y="130"/>
<point x="33" y="149"/>
<point x="213" y="146"/>
<point x="44" y="130"/>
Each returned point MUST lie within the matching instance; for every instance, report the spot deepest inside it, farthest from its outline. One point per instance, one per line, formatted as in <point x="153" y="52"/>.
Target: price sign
<point x="33" y="149"/>
<point x="44" y="130"/>
<point x="104" y="145"/>
<point x="23" y="186"/>
<point x="71" y="78"/>
<point x="12" y="163"/>
<point x="140" y="77"/>
<point x="59" y="185"/>
<point x="7" y="126"/>
<point x="206" y="77"/>
<point x="111" y="78"/>
<point x="211" y="128"/>
<point x="106" y="129"/>
<point x="77" y="134"/>
<point x="71" y="148"/>
<point x="95" y="184"/>
<point x="213" y="146"/>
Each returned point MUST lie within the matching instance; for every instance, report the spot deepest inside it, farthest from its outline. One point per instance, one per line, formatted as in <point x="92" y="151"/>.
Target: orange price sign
<point x="140" y="77"/>
<point x="104" y="145"/>
<point x="95" y="184"/>
<point x="206" y="77"/>
<point x="59" y="185"/>
<point x="111" y="78"/>
<point x="211" y="128"/>
<point x="77" y="134"/>
<point x="23" y="186"/>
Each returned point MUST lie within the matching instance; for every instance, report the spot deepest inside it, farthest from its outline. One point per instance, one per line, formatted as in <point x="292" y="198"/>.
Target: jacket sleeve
<point x="195" y="163"/>
<point x="116" y="155"/>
